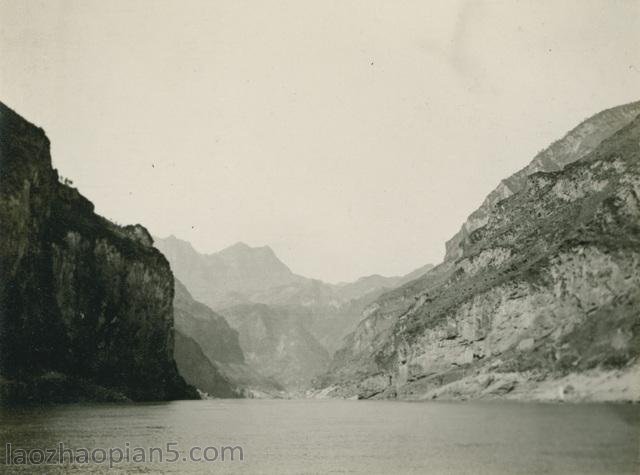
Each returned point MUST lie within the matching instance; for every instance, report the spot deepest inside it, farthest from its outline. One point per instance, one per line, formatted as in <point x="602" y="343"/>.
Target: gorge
<point x="537" y="296"/>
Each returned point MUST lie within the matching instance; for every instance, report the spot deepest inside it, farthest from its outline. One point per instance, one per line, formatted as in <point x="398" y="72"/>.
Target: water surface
<point x="335" y="436"/>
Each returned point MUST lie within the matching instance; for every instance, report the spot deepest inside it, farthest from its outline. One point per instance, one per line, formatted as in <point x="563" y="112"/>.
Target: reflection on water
<point x="310" y="436"/>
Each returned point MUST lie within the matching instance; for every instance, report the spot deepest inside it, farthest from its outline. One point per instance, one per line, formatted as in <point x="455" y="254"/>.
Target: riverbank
<point x="596" y="385"/>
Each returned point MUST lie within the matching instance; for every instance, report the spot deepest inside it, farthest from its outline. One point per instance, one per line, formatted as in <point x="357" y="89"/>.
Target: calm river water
<point x="326" y="436"/>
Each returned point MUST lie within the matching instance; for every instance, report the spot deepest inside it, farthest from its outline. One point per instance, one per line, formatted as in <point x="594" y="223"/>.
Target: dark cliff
<point x="85" y="305"/>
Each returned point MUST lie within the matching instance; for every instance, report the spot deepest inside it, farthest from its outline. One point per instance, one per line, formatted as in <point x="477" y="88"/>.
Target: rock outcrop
<point x="85" y="305"/>
<point x="538" y="298"/>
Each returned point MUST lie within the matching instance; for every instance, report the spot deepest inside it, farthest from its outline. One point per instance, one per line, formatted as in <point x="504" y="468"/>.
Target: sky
<point x="353" y="137"/>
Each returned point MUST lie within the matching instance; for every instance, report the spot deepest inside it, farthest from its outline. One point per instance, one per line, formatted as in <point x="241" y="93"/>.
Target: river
<point x="323" y="436"/>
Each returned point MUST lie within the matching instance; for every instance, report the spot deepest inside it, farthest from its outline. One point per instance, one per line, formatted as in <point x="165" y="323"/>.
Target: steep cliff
<point x="85" y="305"/>
<point x="541" y="299"/>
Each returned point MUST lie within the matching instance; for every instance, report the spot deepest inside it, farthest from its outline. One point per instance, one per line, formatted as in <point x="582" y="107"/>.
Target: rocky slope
<point x="575" y="145"/>
<point x="85" y="305"/>
<point x="198" y="363"/>
<point x="538" y="298"/>
<point x="277" y="345"/>
<point x="208" y="352"/>
<point x="199" y="371"/>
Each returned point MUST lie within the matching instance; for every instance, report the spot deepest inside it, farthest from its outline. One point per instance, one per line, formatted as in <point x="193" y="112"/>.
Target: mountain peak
<point x="242" y="248"/>
<point x="173" y="243"/>
<point x="170" y="237"/>
<point x="239" y="245"/>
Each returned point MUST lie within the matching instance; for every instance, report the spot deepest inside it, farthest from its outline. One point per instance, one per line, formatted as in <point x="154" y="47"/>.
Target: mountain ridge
<point x="573" y="146"/>
<point x="209" y="355"/>
<point x="277" y="274"/>
<point x="536" y="302"/>
<point x="302" y="319"/>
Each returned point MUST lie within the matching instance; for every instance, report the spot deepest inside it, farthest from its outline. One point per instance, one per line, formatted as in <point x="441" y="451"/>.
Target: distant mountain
<point x="366" y="285"/>
<point x="374" y="283"/>
<point x="277" y="345"/>
<point x="199" y="371"/>
<point x="538" y="296"/>
<point x="226" y="277"/>
<point x="411" y="276"/>
<point x="243" y="275"/>
<point x="199" y="321"/>
<point x="208" y="353"/>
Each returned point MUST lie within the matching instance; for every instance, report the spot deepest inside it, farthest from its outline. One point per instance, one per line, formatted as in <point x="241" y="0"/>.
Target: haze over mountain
<point x="241" y="275"/>
<point x="288" y="325"/>
<point x="230" y="276"/>
<point x="277" y="344"/>
<point x="209" y="355"/>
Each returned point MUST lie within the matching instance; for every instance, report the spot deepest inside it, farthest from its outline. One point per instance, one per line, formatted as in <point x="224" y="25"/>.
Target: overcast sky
<point x="353" y="137"/>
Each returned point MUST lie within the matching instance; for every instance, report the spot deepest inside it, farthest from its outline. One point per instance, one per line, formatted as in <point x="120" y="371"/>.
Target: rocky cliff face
<point x="85" y="305"/>
<point x="572" y="147"/>
<point x="539" y="300"/>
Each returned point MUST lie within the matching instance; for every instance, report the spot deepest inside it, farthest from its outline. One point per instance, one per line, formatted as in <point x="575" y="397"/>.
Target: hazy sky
<point x="353" y="137"/>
